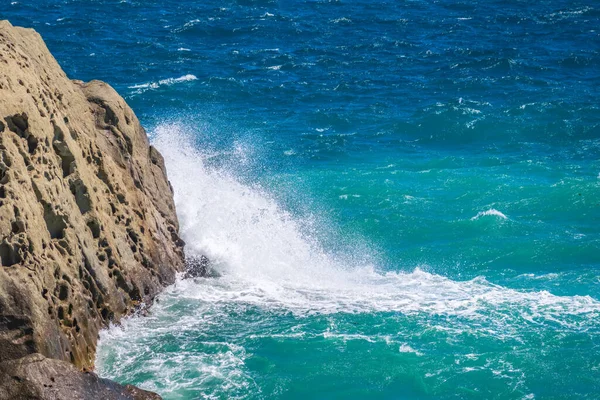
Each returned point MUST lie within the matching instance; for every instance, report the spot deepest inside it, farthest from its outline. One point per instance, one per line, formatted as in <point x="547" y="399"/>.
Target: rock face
<point x="88" y="229"/>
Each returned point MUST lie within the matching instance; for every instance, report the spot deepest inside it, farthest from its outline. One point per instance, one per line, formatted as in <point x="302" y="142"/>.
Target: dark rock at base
<point x="196" y="267"/>
<point x="37" y="377"/>
<point x="199" y="267"/>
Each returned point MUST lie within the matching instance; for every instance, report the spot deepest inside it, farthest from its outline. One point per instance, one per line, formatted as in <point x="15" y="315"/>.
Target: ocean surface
<point x="399" y="199"/>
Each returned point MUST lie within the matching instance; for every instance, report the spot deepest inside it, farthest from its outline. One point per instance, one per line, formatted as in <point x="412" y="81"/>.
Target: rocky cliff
<point x="88" y="230"/>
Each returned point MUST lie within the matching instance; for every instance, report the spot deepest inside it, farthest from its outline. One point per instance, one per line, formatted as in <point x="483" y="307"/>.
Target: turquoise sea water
<point x="401" y="199"/>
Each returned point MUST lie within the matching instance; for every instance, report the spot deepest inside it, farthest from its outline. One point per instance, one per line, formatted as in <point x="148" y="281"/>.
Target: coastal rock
<point x="88" y="229"/>
<point x="37" y="377"/>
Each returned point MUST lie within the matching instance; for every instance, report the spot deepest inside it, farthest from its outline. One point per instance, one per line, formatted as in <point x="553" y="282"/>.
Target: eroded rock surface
<point x="88" y="229"/>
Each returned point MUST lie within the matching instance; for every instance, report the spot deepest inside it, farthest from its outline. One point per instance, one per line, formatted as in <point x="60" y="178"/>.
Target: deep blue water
<point x="402" y="198"/>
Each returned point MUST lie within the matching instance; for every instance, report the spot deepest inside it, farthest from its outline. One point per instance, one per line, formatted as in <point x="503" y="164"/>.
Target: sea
<point x="399" y="199"/>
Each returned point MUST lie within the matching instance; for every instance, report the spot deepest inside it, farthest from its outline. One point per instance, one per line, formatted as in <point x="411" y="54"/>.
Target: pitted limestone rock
<point x="88" y="229"/>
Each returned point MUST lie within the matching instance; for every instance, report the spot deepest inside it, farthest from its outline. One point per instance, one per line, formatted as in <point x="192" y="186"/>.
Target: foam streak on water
<point x="163" y="82"/>
<point x="490" y="212"/>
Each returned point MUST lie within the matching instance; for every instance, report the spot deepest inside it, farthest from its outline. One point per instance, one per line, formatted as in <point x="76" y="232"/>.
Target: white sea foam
<point x="405" y="348"/>
<point x="163" y="82"/>
<point x="266" y="258"/>
<point x="341" y="20"/>
<point x="219" y="361"/>
<point x="491" y="212"/>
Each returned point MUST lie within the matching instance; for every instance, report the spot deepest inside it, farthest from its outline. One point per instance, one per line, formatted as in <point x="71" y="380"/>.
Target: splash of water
<point x="266" y="257"/>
